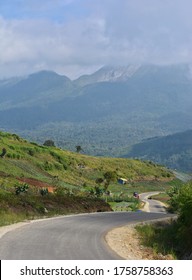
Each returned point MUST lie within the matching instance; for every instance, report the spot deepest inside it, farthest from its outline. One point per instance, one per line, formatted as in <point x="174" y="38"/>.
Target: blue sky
<point x="73" y="37"/>
<point x="55" y="10"/>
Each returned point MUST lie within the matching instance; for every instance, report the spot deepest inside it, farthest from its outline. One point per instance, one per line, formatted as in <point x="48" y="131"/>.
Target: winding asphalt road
<point x="77" y="237"/>
<point x="151" y="205"/>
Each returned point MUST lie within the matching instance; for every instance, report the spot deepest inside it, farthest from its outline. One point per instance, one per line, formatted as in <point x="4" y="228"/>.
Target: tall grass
<point x="7" y="218"/>
<point x="160" y="237"/>
<point x="176" y="237"/>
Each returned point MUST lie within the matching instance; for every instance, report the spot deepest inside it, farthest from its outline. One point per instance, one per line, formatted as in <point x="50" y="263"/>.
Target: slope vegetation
<point x="38" y="180"/>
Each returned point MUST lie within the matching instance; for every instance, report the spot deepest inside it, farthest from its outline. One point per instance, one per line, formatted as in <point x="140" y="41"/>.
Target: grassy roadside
<point x="173" y="237"/>
<point x="159" y="237"/>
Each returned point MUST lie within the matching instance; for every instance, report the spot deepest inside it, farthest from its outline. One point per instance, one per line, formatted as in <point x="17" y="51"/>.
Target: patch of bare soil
<point x="126" y="243"/>
<point x="37" y="183"/>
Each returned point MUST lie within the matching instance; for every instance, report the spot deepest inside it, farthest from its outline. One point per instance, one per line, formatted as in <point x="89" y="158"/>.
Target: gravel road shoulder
<point x="126" y="243"/>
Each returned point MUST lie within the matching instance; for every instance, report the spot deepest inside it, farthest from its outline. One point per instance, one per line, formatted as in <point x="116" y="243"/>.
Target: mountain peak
<point x="109" y="74"/>
<point x="47" y="74"/>
<point x="117" y="73"/>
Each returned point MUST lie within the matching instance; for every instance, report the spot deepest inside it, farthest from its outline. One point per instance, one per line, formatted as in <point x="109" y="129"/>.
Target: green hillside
<point x="75" y="182"/>
<point x="174" y="151"/>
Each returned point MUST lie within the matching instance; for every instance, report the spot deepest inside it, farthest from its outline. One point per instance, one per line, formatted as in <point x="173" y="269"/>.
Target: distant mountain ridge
<point x="33" y="88"/>
<point x="107" y="111"/>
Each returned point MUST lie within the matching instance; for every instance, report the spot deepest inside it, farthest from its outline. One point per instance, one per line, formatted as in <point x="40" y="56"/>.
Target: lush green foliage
<point x="181" y="201"/>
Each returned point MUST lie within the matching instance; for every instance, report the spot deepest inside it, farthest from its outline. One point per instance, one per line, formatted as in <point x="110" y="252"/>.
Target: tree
<point x="173" y="193"/>
<point x="49" y="143"/>
<point x="109" y="177"/>
<point x="181" y="201"/>
<point x="98" y="191"/>
<point x="99" y="181"/>
<point x="4" y="151"/>
<point x="78" y="149"/>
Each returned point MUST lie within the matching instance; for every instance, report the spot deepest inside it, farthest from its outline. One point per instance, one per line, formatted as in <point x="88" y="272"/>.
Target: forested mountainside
<point x="105" y="112"/>
<point x="174" y="151"/>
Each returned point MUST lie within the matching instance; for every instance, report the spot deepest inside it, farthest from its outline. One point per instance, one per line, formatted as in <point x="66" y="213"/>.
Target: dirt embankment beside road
<point x="126" y="243"/>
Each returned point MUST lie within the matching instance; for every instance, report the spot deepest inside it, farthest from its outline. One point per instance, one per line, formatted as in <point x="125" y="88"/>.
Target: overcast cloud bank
<point x="74" y="37"/>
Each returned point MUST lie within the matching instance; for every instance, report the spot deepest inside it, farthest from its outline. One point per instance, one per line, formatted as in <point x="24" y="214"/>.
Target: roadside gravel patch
<point x="126" y="243"/>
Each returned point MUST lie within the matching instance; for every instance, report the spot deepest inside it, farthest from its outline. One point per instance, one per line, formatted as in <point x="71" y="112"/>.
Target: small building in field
<point x="122" y="181"/>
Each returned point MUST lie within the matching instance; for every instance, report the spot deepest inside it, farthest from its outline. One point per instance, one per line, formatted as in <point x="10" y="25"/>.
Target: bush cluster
<point x="181" y="202"/>
<point x="21" y="188"/>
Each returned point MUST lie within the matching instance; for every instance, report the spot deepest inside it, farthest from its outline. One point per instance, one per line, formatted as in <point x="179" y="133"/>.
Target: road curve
<point x="77" y="237"/>
<point x="151" y="205"/>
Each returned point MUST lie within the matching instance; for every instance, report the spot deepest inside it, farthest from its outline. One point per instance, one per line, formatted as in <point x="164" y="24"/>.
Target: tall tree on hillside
<point x="109" y="176"/>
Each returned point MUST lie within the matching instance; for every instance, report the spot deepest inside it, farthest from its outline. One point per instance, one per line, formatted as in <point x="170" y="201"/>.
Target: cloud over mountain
<point x="74" y="37"/>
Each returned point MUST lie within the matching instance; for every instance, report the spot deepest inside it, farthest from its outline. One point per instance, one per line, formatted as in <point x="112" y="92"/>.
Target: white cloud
<point x="49" y="45"/>
<point x="110" y="32"/>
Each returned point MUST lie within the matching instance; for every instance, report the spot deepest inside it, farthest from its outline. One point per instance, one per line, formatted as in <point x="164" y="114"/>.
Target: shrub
<point x="21" y="188"/>
<point x="49" y="143"/>
<point x="48" y="166"/>
<point x="58" y="166"/>
<point x="11" y="147"/>
<point x="31" y="152"/>
<point x="3" y="153"/>
<point x="16" y="137"/>
<point x="184" y="233"/>
<point x="181" y="202"/>
<point x="173" y="201"/>
<point x="44" y="192"/>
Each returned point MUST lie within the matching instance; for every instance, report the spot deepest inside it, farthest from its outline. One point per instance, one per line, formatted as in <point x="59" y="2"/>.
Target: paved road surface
<point x="68" y="238"/>
<point x="151" y="205"/>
